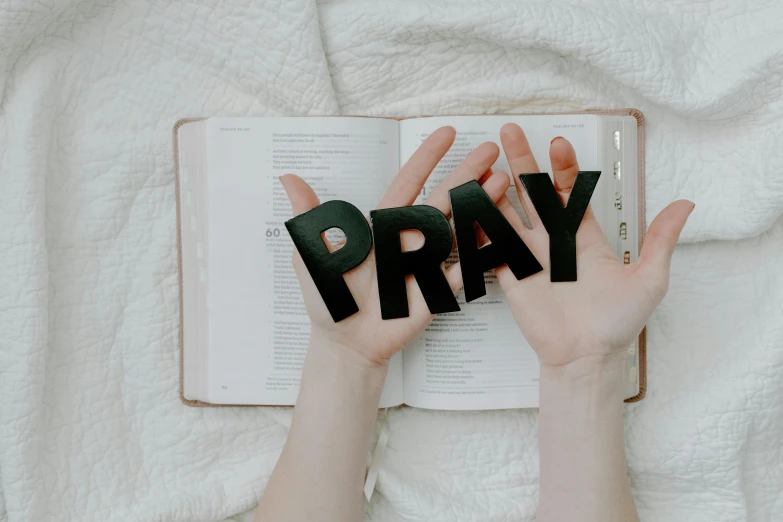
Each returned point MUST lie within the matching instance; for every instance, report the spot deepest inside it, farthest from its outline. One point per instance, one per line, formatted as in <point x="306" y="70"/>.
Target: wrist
<point x="581" y="441"/>
<point x="347" y="359"/>
<point x="348" y="348"/>
<point x="600" y="376"/>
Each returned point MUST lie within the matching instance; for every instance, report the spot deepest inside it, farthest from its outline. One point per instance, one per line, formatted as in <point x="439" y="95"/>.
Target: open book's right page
<point x="477" y="358"/>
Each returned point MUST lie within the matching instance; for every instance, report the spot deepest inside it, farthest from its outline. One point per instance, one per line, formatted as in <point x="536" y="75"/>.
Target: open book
<point x="244" y="330"/>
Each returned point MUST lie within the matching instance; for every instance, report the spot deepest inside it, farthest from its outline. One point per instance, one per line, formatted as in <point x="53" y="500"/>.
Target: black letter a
<point x="469" y="205"/>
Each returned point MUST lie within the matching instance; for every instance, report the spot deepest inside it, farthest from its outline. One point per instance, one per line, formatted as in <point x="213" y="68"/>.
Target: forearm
<point x="320" y="473"/>
<point x="582" y="444"/>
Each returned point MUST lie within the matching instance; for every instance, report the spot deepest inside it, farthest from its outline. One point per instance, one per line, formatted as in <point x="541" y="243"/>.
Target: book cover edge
<point x="642" y="225"/>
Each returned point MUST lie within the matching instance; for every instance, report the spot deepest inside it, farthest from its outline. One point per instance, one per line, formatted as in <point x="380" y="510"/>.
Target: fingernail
<point x="555" y="138"/>
<point x="281" y="179"/>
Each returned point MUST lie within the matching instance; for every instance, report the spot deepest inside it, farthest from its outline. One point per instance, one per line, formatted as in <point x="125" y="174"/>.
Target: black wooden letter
<point x="392" y="264"/>
<point x="470" y="205"/>
<point x="561" y="223"/>
<point x="327" y="268"/>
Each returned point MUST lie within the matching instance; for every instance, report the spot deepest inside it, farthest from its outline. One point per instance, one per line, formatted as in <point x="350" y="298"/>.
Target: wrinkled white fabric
<point x="91" y="426"/>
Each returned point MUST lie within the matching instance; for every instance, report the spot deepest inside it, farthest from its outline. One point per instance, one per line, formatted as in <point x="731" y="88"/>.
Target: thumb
<point x="659" y="242"/>
<point x="300" y="194"/>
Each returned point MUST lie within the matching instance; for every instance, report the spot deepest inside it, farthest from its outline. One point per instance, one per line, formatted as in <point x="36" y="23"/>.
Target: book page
<point x="477" y="358"/>
<point x="258" y="327"/>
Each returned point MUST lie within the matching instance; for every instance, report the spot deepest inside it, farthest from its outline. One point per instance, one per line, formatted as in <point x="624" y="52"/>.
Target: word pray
<point x="470" y="206"/>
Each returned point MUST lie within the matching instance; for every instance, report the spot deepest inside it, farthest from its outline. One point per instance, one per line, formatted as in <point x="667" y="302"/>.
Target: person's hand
<point x="597" y="317"/>
<point x="365" y="333"/>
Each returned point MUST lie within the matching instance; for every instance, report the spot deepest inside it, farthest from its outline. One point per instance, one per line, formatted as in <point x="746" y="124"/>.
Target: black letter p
<point x="327" y="268"/>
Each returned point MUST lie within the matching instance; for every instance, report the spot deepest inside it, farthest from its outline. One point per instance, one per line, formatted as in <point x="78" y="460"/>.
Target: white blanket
<point x="91" y="427"/>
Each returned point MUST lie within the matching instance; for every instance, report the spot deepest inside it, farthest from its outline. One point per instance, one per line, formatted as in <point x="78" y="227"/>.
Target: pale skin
<point x="579" y="330"/>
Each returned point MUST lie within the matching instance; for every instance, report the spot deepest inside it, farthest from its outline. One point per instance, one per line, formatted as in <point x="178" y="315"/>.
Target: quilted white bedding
<point x="91" y="427"/>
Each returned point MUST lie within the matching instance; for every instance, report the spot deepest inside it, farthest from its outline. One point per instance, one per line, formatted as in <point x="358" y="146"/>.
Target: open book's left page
<point x="258" y="329"/>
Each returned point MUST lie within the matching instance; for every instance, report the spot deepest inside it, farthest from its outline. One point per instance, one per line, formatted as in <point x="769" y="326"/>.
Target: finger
<point x="517" y="149"/>
<point x="527" y="223"/>
<point x="535" y="239"/>
<point x="564" y="166"/>
<point x="474" y="166"/>
<point x="521" y="160"/>
<point x="659" y="242"/>
<point x="487" y="174"/>
<point x="300" y="194"/>
<point x="407" y="184"/>
<point x="512" y="216"/>
<point x="495" y="186"/>
<point x="565" y="169"/>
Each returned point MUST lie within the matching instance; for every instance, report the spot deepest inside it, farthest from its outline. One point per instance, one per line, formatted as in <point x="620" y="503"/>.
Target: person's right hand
<point x="597" y="317"/>
<point x="365" y="332"/>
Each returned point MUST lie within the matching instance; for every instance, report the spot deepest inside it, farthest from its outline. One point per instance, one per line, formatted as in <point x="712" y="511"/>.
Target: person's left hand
<point x="598" y="316"/>
<point x="365" y="332"/>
